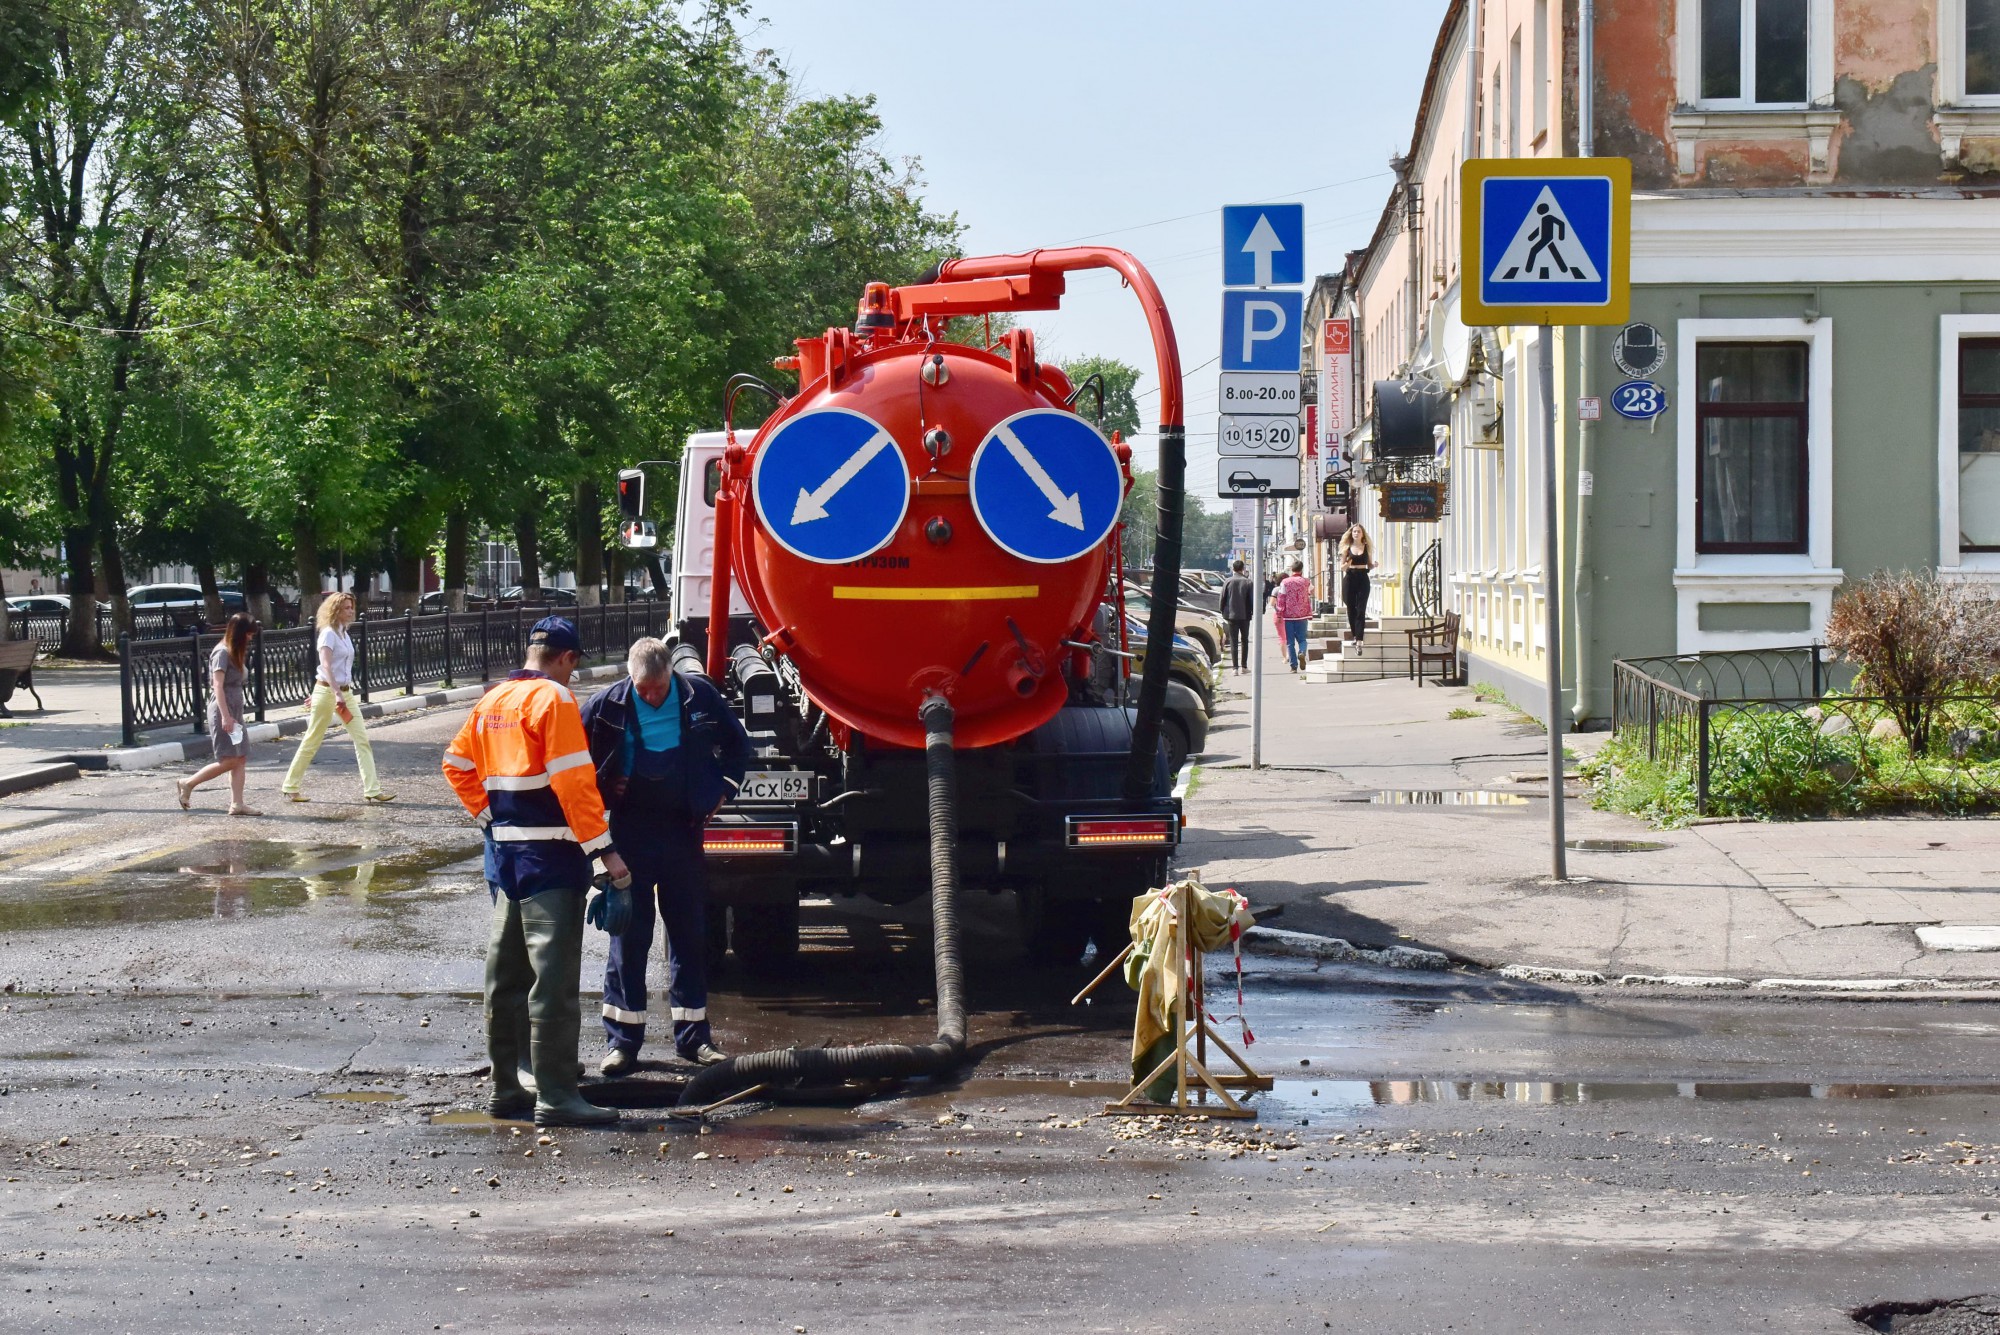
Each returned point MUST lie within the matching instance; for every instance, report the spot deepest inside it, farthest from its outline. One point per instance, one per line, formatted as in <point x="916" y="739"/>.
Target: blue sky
<point x="1130" y="125"/>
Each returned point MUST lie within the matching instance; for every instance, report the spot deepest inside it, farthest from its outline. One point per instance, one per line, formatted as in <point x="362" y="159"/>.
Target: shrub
<point x="1914" y="640"/>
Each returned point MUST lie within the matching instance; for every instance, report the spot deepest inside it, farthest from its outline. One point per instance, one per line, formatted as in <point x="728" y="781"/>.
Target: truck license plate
<point x="776" y="785"/>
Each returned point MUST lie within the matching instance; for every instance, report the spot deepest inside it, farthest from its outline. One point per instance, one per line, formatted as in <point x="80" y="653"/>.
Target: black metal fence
<point x="164" y="683"/>
<point x="1783" y="731"/>
<point x="48" y="628"/>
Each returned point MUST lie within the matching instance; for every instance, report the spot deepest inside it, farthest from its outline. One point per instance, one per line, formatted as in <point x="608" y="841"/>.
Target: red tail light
<point x="750" y="840"/>
<point x="1122" y="831"/>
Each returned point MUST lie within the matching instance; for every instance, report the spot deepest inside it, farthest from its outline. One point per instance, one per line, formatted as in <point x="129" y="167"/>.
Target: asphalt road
<point x="236" y="1100"/>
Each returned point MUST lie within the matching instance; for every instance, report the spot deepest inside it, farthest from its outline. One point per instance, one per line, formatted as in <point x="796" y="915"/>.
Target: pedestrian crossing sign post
<point x="1546" y="240"/>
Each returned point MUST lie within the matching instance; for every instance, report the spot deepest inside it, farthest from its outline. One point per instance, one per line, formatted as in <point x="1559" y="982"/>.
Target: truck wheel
<point x="766" y="938"/>
<point x="1174" y="733"/>
<point x="1054" y="931"/>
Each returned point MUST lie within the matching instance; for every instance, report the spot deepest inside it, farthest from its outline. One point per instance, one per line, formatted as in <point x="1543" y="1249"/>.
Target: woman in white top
<point x="333" y="694"/>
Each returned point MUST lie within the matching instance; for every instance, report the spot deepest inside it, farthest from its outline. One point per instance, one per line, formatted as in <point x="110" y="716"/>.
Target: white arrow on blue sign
<point x="1046" y="486"/>
<point x="1260" y="330"/>
<point x="1263" y="245"/>
<point x="831" y="486"/>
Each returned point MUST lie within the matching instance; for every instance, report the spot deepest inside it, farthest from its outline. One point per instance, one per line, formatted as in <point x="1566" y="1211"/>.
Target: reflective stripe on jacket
<point x="521" y="766"/>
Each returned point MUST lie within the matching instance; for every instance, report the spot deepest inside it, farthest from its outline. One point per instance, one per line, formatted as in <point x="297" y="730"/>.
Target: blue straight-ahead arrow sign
<point x="1263" y="245"/>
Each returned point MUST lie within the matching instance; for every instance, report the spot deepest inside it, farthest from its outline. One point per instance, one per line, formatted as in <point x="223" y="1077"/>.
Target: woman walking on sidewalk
<point x="1357" y="558"/>
<point x="333" y="694"/>
<point x="226" y="728"/>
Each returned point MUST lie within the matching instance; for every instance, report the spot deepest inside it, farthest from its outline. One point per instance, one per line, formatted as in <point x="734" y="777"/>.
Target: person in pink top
<point x="1295" y="610"/>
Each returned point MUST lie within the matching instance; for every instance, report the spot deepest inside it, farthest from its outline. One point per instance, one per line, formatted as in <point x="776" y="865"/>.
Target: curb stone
<point x="199" y="748"/>
<point x="36" y="776"/>
<point x="1307" y="945"/>
<point x="1695" y="982"/>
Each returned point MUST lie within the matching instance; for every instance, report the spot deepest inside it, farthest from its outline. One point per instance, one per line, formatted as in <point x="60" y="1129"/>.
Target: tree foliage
<point x="297" y="282"/>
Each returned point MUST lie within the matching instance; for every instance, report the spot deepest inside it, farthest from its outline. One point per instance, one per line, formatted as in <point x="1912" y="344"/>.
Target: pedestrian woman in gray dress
<point x="227" y="732"/>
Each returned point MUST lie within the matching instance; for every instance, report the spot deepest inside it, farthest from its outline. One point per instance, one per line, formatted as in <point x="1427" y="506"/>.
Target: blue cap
<point x="557" y="634"/>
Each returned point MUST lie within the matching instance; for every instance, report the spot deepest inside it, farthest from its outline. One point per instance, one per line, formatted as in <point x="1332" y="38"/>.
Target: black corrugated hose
<point x="876" y="1061"/>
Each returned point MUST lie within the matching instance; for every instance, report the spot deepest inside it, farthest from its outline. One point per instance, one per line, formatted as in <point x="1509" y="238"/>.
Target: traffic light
<point x="632" y="492"/>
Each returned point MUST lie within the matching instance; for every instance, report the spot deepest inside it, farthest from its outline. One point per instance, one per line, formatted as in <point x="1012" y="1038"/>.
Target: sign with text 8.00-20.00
<point x="1412" y="502"/>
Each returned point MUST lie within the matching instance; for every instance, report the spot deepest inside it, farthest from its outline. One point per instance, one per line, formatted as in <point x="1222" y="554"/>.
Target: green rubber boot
<point x="508" y="978"/>
<point x="552" y="926"/>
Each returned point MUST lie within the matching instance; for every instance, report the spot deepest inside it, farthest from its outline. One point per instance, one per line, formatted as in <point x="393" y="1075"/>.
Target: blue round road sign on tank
<point x="831" y="486"/>
<point x="1046" y="485"/>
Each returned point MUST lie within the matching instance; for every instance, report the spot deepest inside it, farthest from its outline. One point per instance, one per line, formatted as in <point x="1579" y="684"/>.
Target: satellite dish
<point x="1450" y="337"/>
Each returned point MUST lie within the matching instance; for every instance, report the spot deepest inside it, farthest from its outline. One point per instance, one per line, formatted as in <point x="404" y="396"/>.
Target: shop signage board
<point x="1336" y="382"/>
<point x="1412" y="502"/>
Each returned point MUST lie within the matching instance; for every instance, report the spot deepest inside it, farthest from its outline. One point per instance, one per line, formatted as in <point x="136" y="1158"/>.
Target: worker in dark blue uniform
<point x="668" y="750"/>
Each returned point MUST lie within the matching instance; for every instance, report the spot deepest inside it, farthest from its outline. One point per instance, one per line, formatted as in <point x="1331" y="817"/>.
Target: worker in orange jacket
<point x="522" y="768"/>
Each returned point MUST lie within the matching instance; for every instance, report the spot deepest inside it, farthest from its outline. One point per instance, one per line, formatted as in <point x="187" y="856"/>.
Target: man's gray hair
<point x="649" y="659"/>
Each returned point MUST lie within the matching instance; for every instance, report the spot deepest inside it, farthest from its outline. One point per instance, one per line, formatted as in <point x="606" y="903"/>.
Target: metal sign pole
<point x="1257" y="641"/>
<point x="1552" y="604"/>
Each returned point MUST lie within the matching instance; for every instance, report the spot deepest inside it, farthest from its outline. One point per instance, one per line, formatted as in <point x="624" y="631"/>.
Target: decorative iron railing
<point x="1783" y="731"/>
<point x="163" y="683"/>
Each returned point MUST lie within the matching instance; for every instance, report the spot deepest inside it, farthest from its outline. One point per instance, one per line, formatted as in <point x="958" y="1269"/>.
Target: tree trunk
<point x="114" y="561"/>
<point x="80" y="632"/>
<point x="305" y="553"/>
<point x="457" y="542"/>
<point x="614" y="572"/>
<point x="257" y="591"/>
<point x="406" y="579"/>
<point x="589" y="522"/>
<point x="527" y="544"/>
<point x="211" y="593"/>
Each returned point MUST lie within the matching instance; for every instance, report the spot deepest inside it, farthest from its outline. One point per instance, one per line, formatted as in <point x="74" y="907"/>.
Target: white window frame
<point x="1951" y="59"/>
<point x="1819" y="59"/>
<point x="1808" y="577"/>
<point x="1952" y="563"/>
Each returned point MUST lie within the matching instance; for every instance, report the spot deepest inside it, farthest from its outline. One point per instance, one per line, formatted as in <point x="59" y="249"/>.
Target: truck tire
<point x="1053" y="932"/>
<point x="1174" y="733"/>
<point x="766" y="938"/>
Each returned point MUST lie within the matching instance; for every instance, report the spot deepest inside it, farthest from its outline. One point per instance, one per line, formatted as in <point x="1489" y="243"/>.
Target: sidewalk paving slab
<point x="1368" y="826"/>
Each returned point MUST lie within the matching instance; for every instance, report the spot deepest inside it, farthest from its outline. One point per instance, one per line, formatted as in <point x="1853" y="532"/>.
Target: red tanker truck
<point x="915" y="556"/>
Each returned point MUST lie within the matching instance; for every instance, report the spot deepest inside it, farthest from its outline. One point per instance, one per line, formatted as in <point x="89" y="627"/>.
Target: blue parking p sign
<point x="1260" y="330"/>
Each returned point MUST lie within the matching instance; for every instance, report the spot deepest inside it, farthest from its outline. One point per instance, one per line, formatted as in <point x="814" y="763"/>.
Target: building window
<point x="1755" y="52"/>
<point x="1751" y="419"/>
<point x="1979" y="445"/>
<point x="1514" y="94"/>
<point x="1541" y="31"/>
<point x="1982" y="48"/>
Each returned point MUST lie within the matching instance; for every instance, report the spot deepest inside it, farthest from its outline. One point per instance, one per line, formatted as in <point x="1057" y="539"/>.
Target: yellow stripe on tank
<point x="968" y="594"/>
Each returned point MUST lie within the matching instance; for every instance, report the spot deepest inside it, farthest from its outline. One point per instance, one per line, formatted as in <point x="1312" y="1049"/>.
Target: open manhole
<point x="1978" y="1315"/>
<point x="1615" y="845"/>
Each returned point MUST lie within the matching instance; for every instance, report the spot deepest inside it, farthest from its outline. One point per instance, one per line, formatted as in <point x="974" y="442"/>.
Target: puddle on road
<point x="234" y="878"/>
<point x="1439" y="797"/>
<point x="1335" y="1096"/>
<point x="1615" y="845"/>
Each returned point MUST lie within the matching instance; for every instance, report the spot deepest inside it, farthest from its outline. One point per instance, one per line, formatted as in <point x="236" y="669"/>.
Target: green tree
<point x="1121" y="408"/>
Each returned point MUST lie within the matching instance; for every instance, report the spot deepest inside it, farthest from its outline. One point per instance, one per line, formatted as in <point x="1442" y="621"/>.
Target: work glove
<point x="609" y="907"/>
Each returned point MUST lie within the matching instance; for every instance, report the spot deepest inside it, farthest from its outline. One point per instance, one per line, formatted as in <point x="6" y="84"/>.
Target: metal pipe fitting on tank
<point x="938" y="529"/>
<point x="1024" y="676"/>
<point x="937" y="441"/>
<point x="935" y="372"/>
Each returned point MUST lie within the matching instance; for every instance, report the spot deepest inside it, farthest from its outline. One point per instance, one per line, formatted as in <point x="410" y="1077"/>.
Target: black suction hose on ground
<point x="876" y="1061"/>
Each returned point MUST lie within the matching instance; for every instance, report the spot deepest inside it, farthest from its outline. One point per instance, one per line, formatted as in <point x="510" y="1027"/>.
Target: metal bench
<point x="17" y="668"/>
<point x="1436" y="643"/>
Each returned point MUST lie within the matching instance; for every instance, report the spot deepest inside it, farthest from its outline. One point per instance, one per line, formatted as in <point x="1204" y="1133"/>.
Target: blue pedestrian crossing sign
<point x="1260" y="330"/>
<point x="831" y="486"/>
<point x="1046" y="486"/>
<point x="1263" y="245"/>
<point x="1547" y="240"/>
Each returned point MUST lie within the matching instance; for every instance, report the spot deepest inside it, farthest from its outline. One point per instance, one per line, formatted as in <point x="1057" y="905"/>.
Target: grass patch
<point x="1486" y="693"/>
<point x="1194" y="782"/>
<point x="1462" y="712"/>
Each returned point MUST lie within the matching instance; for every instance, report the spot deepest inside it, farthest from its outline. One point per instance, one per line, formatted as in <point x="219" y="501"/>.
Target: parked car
<point x="434" y="601"/>
<point x="1190" y="698"/>
<point x="40" y="603"/>
<point x="547" y="595"/>
<point x="178" y="597"/>
<point x="1203" y="627"/>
